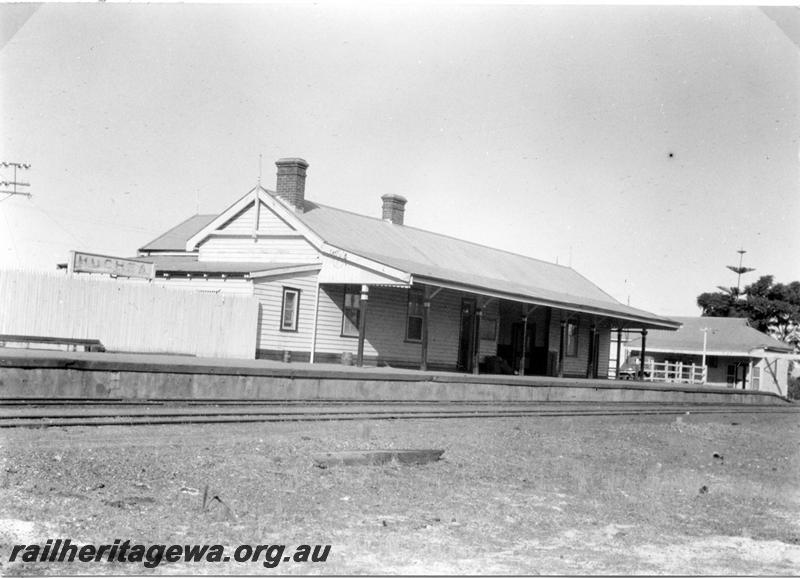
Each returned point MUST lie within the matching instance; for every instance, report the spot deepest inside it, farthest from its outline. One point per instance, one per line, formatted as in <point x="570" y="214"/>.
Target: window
<point x="755" y="378"/>
<point x="291" y="306"/>
<point x="414" y="320"/>
<point x="351" y="311"/>
<point x="572" y="339"/>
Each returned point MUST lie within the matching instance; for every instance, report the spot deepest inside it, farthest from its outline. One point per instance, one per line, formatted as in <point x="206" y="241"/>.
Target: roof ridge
<point x="459" y="239"/>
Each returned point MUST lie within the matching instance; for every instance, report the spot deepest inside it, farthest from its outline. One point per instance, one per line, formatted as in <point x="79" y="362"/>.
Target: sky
<point x="641" y="145"/>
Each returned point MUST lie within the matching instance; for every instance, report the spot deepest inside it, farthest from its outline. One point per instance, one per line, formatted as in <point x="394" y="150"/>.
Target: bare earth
<point x="583" y="495"/>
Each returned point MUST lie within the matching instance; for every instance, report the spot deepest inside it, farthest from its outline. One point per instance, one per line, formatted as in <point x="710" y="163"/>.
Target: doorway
<point x="466" y="340"/>
<point x="535" y="349"/>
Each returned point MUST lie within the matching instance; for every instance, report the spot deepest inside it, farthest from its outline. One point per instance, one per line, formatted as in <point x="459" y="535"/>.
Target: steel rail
<point x="71" y="415"/>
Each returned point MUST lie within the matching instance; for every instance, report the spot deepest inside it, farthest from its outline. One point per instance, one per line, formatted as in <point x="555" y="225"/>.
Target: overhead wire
<point x="13" y="240"/>
<point x="59" y="225"/>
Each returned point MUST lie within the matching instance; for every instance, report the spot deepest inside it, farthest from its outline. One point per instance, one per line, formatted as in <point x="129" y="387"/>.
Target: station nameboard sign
<point x="115" y="266"/>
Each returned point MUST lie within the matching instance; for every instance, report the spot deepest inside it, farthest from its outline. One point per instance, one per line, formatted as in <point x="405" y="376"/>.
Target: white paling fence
<point x="675" y="372"/>
<point x="127" y="316"/>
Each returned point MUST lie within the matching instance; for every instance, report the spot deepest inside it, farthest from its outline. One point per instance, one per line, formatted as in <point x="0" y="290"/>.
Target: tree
<point x="770" y="307"/>
<point x="775" y="308"/>
<point x="723" y="303"/>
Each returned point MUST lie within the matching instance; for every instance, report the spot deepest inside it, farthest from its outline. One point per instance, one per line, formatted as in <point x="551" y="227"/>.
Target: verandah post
<point x="524" y="342"/>
<point x="477" y="342"/>
<point x="426" y="307"/>
<point x="642" y="354"/>
<point x="362" y="324"/>
<point x="561" y="348"/>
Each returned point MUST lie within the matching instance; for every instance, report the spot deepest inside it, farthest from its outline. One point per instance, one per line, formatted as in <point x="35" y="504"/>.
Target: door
<point x="466" y="341"/>
<point x="737" y="375"/>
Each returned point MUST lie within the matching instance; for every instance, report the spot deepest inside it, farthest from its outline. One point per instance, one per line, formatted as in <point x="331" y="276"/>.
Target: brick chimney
<point x="394" y="207"/>
<point x="291" y="184"/>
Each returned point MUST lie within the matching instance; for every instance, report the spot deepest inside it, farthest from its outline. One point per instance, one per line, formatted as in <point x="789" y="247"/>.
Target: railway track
<point x="36" y="413"/>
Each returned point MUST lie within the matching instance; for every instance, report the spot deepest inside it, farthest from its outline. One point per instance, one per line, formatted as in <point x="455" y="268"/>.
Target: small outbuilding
<point x="735" y="354"/>
<point x="334" y="285"/>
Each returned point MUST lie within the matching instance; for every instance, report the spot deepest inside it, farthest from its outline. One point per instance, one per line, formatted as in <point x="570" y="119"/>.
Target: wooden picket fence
<point x="676" y="372"/>
<point x="128" y="316"/>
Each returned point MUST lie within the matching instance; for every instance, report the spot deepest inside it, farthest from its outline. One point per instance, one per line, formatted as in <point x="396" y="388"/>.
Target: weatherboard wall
<point x="385" y="341"/>
<point x="577" y="365"/>
<point x="269" y="293"/>
<point x="242" y="248"/>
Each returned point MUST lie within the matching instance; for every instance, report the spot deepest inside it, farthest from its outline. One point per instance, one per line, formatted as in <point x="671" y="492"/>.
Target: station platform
<point x="46" y="374"/>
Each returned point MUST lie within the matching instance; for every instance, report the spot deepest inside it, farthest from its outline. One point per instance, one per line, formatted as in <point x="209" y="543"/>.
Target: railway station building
<point x="337" y="286"/>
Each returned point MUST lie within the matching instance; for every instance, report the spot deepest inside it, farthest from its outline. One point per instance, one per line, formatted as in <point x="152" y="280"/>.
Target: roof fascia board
<point x="285" y="271"/>
<point x="273" y="203"/>
<point x="287" y="213"/>
<point x="755" y="353"/>
<point x="648" y="323"/>
<point x="220" y="220"/>
<point x="775" y="355"/>
<point x="774" y="349"/>
<point x="708" y="352"/>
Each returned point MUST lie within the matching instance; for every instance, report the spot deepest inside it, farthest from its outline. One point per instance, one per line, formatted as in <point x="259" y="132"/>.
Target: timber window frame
<point x="571" y="338"/>
<point x="290" y="305"/>
<point x="414" y="315"/>
<point x="351" y="310"/>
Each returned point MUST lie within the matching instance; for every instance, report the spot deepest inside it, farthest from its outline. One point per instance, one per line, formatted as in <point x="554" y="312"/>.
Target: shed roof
<point x="726" y="336"/>
<point x="175" y="238"/>
<point x="189" y="264"/>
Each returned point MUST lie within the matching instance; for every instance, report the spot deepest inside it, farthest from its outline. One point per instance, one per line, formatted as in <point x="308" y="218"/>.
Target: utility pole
<point x="705" y="349"/>
<point x="14" y="183"/>
<point x="740" y="270"/>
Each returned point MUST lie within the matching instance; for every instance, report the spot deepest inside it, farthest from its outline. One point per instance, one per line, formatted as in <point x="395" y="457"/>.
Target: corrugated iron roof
<point x="430" y="255"/>
<point x="725" y="335"/>
<point x="175" y="239"/>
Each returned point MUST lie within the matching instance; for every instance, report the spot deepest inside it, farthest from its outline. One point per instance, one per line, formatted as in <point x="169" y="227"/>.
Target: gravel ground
<point x="586" y="495"/>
